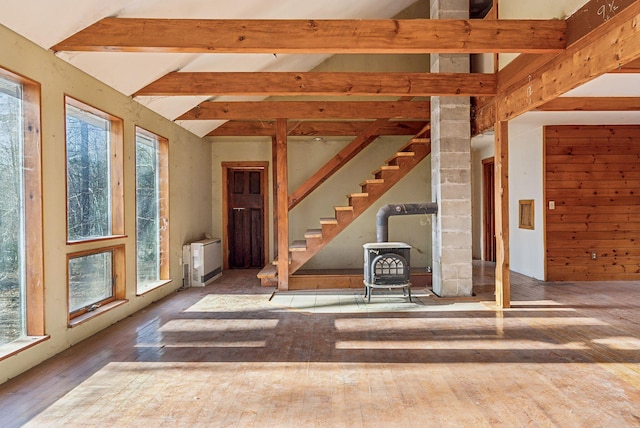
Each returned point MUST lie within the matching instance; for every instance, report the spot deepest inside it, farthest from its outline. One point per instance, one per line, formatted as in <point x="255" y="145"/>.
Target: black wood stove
<point x="386" y="266"/>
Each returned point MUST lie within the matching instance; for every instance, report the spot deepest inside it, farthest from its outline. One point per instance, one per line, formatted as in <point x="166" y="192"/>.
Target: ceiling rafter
<point x="321" y="84"/>
<point x="592" y="104"/>
<point x="318" y="36"/>
<point x="265" y="110"/>
<point x="315" y="128"/>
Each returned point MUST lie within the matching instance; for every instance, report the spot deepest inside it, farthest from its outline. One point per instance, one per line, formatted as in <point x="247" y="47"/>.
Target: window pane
<point x="90" y="280"/>
<point x="12" y="287"/>
<point x="148" y="209"/>
<point x="88" y="175"/>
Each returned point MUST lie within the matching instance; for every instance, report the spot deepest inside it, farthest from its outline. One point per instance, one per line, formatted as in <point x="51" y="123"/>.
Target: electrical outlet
<point x="594" y="256"/>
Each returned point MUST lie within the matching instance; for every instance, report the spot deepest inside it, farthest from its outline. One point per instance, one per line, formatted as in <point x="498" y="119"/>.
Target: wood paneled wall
<point x="592" y="174"/>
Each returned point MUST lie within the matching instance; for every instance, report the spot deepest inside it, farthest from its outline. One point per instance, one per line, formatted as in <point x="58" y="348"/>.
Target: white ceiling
<point x="144" y="68"/>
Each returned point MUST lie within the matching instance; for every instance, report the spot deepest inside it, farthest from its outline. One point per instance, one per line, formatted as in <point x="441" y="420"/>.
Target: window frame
<point x="33" y="217"/>
<point x="116" y="166"/>
<point x="163" y="209"/>
<point x="118" y="272"/>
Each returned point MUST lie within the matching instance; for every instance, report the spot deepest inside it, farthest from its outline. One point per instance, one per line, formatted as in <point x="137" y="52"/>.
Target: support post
<point x="451" y="171"/>
<point x="282" y="207"/>
<point x="503" y="278"/>
<point x="274" y="179"/>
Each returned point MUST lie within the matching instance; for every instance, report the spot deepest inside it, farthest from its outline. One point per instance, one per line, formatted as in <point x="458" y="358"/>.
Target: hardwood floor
<point x="231" y="354"/>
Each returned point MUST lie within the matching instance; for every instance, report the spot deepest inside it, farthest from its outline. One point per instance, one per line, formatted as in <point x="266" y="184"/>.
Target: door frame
<point x="263" y="168"/>
<point x="488" y="211"/>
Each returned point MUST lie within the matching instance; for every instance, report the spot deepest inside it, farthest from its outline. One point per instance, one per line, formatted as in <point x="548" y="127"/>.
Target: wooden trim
<point x="263" y="168"/>
<point x="307" y="128"/>
<point x="503" y="281"/>
<point x="334" y="164"/>
<point x="321" y="84"/>
<point x="34" y="230"/>
<point x="307" y="110"/>
<point x="118" y="276"/>
<point x="283" y="207"/>
<point x="526" y="214"/>
<point x="318" y="36"/>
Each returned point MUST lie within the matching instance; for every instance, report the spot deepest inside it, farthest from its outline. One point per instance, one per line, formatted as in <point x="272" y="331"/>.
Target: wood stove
<point x="387" y="266"/>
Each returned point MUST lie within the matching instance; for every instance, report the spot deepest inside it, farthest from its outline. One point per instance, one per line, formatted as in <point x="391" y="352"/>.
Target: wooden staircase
<point x="385" y="177"/>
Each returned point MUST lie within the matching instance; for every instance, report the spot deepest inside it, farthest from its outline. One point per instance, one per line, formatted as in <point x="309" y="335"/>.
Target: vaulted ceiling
<point x="165" y="64"/>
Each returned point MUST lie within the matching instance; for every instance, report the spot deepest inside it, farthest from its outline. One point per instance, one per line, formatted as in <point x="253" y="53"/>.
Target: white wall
<point x="526" y="169"/>
<point x="526" y="182"/>
<point x="190" y="192"/>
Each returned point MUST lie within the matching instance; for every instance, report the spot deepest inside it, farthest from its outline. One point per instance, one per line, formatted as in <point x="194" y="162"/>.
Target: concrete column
<point x="451" y="170"/>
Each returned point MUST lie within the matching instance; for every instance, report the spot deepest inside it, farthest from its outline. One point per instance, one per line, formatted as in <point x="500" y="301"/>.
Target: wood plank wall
<point x="592" y="174"/>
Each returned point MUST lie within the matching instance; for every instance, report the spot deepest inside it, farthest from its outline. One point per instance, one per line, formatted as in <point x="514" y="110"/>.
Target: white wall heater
<point x="202" y="262"/>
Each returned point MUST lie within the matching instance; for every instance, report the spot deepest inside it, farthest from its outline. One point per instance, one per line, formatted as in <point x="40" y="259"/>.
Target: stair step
<point x="298" y="245"/>
<point x="313" y="234"/>
<point x="385" y="168"/>
<point x="328" y="220"/>
<point x="400" y="155"/>
<point x="275" y="261"/>
<point x="372" y="181"/>
<point x="421" y="140"/>
<point x="358" y="195"/>
<point x="347" y="208"/>
<point x="269" y="271"/>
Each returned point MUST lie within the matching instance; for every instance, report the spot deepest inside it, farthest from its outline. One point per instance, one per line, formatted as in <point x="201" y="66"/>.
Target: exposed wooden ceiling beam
<point x="314" y="128"/>
<point x="328" y="110"/>
<point x="322" y="84"/>
<point x="632" y="67"/>
<point x="318" y="36"/>
<point x="615" y="42"/>
<point x="592" y="104"/>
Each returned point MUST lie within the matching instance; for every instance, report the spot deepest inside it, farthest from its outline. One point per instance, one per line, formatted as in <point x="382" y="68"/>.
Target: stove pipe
<point x="382" y="218"/>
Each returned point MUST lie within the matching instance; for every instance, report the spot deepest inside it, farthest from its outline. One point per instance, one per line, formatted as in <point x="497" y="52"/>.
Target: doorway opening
<point x="488" y="204"/>
<point x="244" y="203"/>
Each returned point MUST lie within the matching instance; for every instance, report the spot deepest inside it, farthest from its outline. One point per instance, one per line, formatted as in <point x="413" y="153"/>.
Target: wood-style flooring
<point x="232" y="354"/>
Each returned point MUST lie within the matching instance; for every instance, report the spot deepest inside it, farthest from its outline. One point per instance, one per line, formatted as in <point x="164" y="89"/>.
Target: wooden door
<point x="245" y="218"/>
<point x="489" y="203"/>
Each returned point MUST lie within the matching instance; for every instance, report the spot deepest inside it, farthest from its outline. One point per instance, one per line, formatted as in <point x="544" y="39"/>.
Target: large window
<point x="94" y="173"/>
<point x="21" y="287"/>
<point x="152" y="232"/>
<point x="96" y="279"/>
<point x="95" y="210"/>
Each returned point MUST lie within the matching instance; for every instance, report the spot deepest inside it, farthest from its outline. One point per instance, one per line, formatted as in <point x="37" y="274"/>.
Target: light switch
<point x="552" y="205"/>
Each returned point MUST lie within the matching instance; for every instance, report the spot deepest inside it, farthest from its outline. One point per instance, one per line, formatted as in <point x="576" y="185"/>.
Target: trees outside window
<point x="21" y="288"/>
<point x="95" y="208"/>
<point x="151" y="209"/>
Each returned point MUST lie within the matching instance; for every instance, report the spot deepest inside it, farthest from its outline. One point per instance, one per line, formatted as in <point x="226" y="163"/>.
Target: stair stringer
<point x="372" y="190"/>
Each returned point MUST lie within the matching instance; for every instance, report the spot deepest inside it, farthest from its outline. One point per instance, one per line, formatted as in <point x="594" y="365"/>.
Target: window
<point x="152" y="231"/>
<point x="94" y="173"/>
<point x="21" y="270"/>
<point x="96" y="280"/>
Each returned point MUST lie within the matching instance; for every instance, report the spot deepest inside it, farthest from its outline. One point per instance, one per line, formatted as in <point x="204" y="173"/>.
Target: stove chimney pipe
<point x="382" y="218"/>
